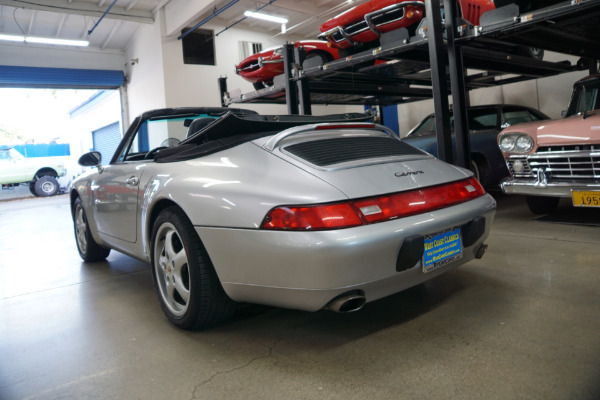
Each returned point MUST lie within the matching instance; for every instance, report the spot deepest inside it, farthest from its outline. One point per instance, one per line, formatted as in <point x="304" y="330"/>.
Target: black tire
<point x="323" y="56"/>
<point x="475" y="169"/>
<point x="542" y="204"/>
<point x="185" y="280"/>
<point x="88" y="249"/>
<point x="481" y="169"/>
<point x="258" y="85"/>
<point x="45" y="186"/>
<point x="32" y="188"/>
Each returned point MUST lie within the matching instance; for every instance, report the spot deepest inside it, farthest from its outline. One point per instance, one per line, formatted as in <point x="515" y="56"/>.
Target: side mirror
<point x="91" y="159"/>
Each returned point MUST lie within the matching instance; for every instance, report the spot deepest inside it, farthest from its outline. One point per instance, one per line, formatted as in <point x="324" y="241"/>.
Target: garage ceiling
<point x="73" y="19"/>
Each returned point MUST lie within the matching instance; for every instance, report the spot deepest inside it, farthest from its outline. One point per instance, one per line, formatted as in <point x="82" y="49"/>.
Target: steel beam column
<point x="223" y="89"/>
<point x="437" y="59"/>
<point x="302" y="84"/>
<point x="291" y="89"/>
<point x="457" y="84"/>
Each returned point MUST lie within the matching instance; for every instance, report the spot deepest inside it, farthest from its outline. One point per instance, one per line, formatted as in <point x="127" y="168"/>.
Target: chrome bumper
<point x="369" y="24"/>
<point x="541" y="188"/>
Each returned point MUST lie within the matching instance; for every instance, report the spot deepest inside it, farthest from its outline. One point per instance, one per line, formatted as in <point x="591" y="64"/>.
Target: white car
<point x="302" y="212"/>
<point x="39" y="173"/>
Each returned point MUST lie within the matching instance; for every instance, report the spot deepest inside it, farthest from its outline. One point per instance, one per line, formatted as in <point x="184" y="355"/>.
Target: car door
<point x="116" y="193"/>
<point x="116" y="190"/>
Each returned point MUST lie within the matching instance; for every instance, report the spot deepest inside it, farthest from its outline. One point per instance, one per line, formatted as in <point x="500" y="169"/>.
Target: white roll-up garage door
<point x="106" y="140"/>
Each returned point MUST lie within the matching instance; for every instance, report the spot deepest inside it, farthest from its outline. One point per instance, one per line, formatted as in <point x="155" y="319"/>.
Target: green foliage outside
<point x="10" y="135"/>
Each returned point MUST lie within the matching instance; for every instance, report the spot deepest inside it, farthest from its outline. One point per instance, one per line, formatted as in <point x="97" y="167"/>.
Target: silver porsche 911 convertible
<point x="304" y="212"/>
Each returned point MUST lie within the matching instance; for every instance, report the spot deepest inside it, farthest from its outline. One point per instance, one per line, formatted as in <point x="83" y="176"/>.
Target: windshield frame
<point x="580" y="91"/>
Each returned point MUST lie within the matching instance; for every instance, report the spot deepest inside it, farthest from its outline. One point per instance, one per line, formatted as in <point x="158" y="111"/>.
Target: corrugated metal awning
<point x="59" y="78"/>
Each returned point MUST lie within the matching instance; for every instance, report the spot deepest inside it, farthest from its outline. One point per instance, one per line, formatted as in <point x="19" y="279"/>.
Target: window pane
<point x="483" y="119"/>
<point x="199" y="47"/>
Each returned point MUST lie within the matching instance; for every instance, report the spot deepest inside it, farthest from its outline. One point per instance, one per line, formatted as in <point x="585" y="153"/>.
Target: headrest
<point x="199" y="124"/>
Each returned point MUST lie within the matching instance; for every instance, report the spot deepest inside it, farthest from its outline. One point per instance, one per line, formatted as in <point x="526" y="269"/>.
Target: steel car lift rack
<point x="433" y="62"/>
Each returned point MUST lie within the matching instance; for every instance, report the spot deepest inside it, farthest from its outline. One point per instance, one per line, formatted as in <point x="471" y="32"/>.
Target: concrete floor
<point x="522" y="323"/>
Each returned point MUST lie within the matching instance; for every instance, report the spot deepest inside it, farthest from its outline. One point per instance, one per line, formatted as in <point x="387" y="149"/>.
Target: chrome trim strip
<point x="530" y="187"/>
<point x="368" y="19"/>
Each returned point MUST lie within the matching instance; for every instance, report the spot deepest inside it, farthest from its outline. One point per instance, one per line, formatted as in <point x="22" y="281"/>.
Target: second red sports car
<point x="262" y="67"/>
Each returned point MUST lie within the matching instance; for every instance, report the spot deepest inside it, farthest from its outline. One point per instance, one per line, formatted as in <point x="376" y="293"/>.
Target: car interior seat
<point x="198" y="124"/>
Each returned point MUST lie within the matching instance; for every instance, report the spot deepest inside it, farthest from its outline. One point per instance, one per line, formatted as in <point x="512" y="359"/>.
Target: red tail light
<point x="372" y="210"/>
<point x="399" y="205"/>
<point x="328" y="216"/>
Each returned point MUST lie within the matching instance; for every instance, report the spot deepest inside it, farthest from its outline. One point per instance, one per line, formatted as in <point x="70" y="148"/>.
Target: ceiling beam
<point x="112" y="32"/>
<point x="60" y="25"/>
<point x="83" y="8"/>
<point x="281" y="6"/>
<point x="31" y="21"/>
<point x="131" y="4"/>
<point x="87" y="25"/>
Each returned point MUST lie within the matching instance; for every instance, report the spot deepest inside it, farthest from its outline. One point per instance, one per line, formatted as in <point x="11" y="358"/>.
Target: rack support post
<point x="302" y="84"/>
<point x="291" y="89"/>
<point x="457" y="85"/>
<point x="437" y="60"/>
<point x="223" y="89"/>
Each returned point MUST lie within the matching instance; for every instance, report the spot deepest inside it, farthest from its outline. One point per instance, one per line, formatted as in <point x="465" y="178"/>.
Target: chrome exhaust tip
<point x="347" y="302"/>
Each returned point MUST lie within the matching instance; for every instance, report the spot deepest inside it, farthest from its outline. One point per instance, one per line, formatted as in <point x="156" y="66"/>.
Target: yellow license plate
<point x="586" y="198"/>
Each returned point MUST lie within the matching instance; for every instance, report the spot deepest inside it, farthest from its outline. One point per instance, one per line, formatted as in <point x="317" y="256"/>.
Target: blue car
<point x="485" y="122"/>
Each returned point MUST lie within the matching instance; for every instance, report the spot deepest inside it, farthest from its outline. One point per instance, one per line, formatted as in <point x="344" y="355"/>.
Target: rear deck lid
<point x="360" y="159"/>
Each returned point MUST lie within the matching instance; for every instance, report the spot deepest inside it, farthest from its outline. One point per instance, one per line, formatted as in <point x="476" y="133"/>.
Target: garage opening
<point x="51" y="116"/>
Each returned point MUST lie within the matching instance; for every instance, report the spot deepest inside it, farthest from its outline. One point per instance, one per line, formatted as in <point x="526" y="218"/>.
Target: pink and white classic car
<point x="548" y="160"/>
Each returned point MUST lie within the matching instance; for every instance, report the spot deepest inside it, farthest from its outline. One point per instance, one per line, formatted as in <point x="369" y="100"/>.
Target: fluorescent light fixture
<point x="32" y="39"/>
<point x="265" y="17"/>
<point x="62" y="42"/>
<point x="12" y="38"/>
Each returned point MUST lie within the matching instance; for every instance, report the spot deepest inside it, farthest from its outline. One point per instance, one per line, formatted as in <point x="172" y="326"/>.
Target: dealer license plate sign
<point x="586" y="198"/>
<point x="441" y="249"/>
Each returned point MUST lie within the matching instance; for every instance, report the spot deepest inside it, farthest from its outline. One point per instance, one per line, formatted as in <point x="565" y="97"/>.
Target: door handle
<point x="132" y="181"/>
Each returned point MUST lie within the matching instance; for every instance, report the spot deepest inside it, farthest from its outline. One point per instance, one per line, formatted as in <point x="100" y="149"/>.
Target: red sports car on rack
<point x="261" y="68"/>
<point x="366" y="22"/>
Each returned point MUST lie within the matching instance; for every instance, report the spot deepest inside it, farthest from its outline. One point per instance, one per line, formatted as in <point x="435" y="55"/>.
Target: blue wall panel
<point x="44" y="150"/>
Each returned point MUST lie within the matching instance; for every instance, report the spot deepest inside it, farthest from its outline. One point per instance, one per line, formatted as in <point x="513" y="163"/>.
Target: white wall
<point x="146" y="77"/>
<point x="106" y="112"/>
<point x="198" y="84"/>
<point x="83" y="123"/>
<point x="194" y="85"/>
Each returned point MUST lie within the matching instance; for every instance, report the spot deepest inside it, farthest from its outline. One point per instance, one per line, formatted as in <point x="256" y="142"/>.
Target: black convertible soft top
<point x="233" y="129"/>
